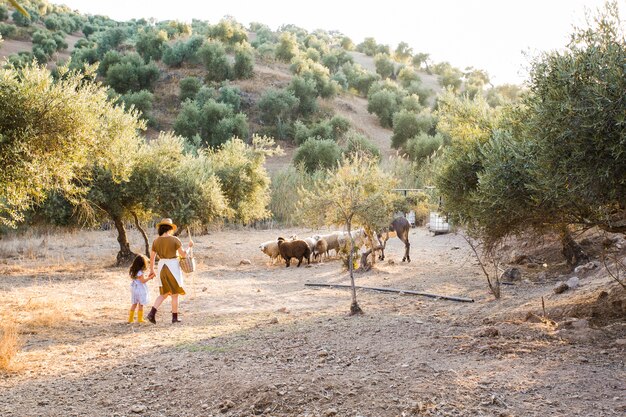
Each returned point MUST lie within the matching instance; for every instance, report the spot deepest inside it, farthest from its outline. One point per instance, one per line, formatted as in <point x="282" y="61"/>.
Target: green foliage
<point x="180" y="52"/>
<point x="215" y="123"/>
<point x="358" y="144"/>
<point x="304" y="90"/>
<point x="229" y="32"/>
<point x="316" y="154"/>
<point x="150" y="44"/>
<point x="287" y="47"/>
<point x="368" y="46"/>
<point x="213" y="55"/>
<point x="21" y="20"/>
<point x="165" y="170"/>
<point x="189" y="87"/>
<point x="109" y="39"/>
<point x="7" y="31"/>
<point x="243" y="178"/>
<point x="420" y="59"/>
<point x="408" y="76"/>
<point x="384" y="66"/>
<point x="109" y="59"/>
<point x="52" y="133"/>
<point x="284" y="198"/>
<point x="231" y="95"/>
<point x="422" y="146"/>
<point x="346" y="43"/>
<point x="131" y="74"/>
<point x="277" y="108"/>
<point x="384" y="104"/>
<point x="46" y="43"/>
<point x="244" y="64"/>
<point x="403" y="52"/>
<point x="4" y="12"/>
<point x="576" y="114"/>
<point x="141" y="101"/>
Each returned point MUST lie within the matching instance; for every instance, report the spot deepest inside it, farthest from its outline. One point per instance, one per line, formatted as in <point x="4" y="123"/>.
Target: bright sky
<point x="494" y="35"/>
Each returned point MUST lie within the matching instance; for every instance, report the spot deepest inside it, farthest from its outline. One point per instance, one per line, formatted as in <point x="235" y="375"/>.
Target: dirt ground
<point x="256" y="341"/>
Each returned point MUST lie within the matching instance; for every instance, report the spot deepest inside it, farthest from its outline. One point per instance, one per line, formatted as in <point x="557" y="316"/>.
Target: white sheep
<point x="332" y="241"/>
<point x="270" y="248"/>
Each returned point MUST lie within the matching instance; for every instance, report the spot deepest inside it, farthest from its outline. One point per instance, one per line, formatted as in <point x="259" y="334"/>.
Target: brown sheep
<point x="296" y="249"/>
<point x="321" y="248"/>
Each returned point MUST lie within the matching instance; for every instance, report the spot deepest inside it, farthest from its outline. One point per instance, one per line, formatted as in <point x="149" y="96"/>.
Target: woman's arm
<point x="152" y="274"/>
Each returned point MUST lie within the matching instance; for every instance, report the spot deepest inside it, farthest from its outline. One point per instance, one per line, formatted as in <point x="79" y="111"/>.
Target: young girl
<point x="138" y="288"/>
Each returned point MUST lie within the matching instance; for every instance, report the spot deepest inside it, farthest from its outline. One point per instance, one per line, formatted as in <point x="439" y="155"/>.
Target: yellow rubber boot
<point x="131" y="316"/>
<point x="139" y="316"/>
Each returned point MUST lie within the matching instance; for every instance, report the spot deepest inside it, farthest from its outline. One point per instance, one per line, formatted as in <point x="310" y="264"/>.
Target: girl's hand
<point x="190" y="243"/>
<point x="151" y="275"/>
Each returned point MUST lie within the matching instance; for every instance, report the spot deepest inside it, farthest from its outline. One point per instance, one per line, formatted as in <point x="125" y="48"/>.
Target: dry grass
<point x="36" y="314"/>
<point x="10" y="344"/>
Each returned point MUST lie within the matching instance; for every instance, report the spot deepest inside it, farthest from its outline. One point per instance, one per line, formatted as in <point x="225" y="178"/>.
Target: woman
<point x="170" y="275"/>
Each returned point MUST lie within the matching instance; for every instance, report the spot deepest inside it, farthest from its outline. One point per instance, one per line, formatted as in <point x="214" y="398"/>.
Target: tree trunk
<point x="354" y="307"/>
<point x="143" y="233"/>
<point x="125" y="256"/>
<point x="573" y="252"/>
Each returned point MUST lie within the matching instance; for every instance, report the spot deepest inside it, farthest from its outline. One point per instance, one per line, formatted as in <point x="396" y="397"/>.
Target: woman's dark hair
<point x="164" y="228"/>
<point x="139" y="264"/>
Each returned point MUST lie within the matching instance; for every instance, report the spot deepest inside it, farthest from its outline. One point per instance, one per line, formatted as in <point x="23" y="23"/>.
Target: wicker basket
<point x="188" y="263"/>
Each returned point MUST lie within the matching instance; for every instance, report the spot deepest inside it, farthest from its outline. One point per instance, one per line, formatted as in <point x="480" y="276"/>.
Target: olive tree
<point x="53" y="133"/>
<point x="357" y="193"/>
<point x="244" y="181"/>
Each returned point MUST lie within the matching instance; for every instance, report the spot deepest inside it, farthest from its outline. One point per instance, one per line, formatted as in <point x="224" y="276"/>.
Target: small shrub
<point x="189" y="87"/>
<point x="213" y="56"/>
<point x="244" y="64"/>
<point x="317" y="154"/>
<point x="7" y="30"/>
<point x="231" y="95"/>
<point x="422" y="146"/>
<point x="358" y="143"/>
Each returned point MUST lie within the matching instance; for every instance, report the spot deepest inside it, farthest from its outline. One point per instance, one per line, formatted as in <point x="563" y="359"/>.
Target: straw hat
<point x="167" y="221"/>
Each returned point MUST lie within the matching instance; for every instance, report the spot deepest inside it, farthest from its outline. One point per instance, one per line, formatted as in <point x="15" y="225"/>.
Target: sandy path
<point x="256" y="341"/>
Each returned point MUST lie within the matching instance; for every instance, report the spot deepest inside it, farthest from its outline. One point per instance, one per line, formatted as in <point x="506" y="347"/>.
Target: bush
<point x="213" y="56"/>
<point x="140" y="100"/>
<point x="4" y="12"/>
<point x="284" y="199"/>
<point x="384" y="66"/>
<point x="277" y="108"/>
<point x="383" y="104"/>
<point x="229" y="32"/>
<point x="214" y="122"/>
<point x="358" y="143"/>
<point x="422" y="146"/>
<point x="150" y="44"/>
<point x="189" y="87"/>
<point x="231" y="95"/>
<point x="180" y="52"/>
<point x="304" y="90"/>
<point x="110" y="39"/>
<point x="20" y="20"/>
<point x="244" y="64"/>
<point x="131" y="74"/>
<point x="368" y="46"/>
<point x="7" y="30"/>
<point x="407" y="124"/>
<point x="287" y="47"/>
<point x="317" y="154"/>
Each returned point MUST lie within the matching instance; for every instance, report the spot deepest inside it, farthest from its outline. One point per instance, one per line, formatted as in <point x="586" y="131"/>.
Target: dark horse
<point x="399" y="227"/>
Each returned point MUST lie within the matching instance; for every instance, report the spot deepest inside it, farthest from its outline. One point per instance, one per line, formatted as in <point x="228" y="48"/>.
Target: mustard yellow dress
<point x="167" y="248"/>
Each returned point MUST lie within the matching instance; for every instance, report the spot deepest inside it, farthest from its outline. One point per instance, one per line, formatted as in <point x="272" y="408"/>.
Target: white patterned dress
<point x="139" y="291"/>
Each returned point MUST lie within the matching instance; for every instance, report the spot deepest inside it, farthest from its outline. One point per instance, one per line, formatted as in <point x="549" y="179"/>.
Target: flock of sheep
<point x="321" y="245"/>
<point x="314" y="246"/>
